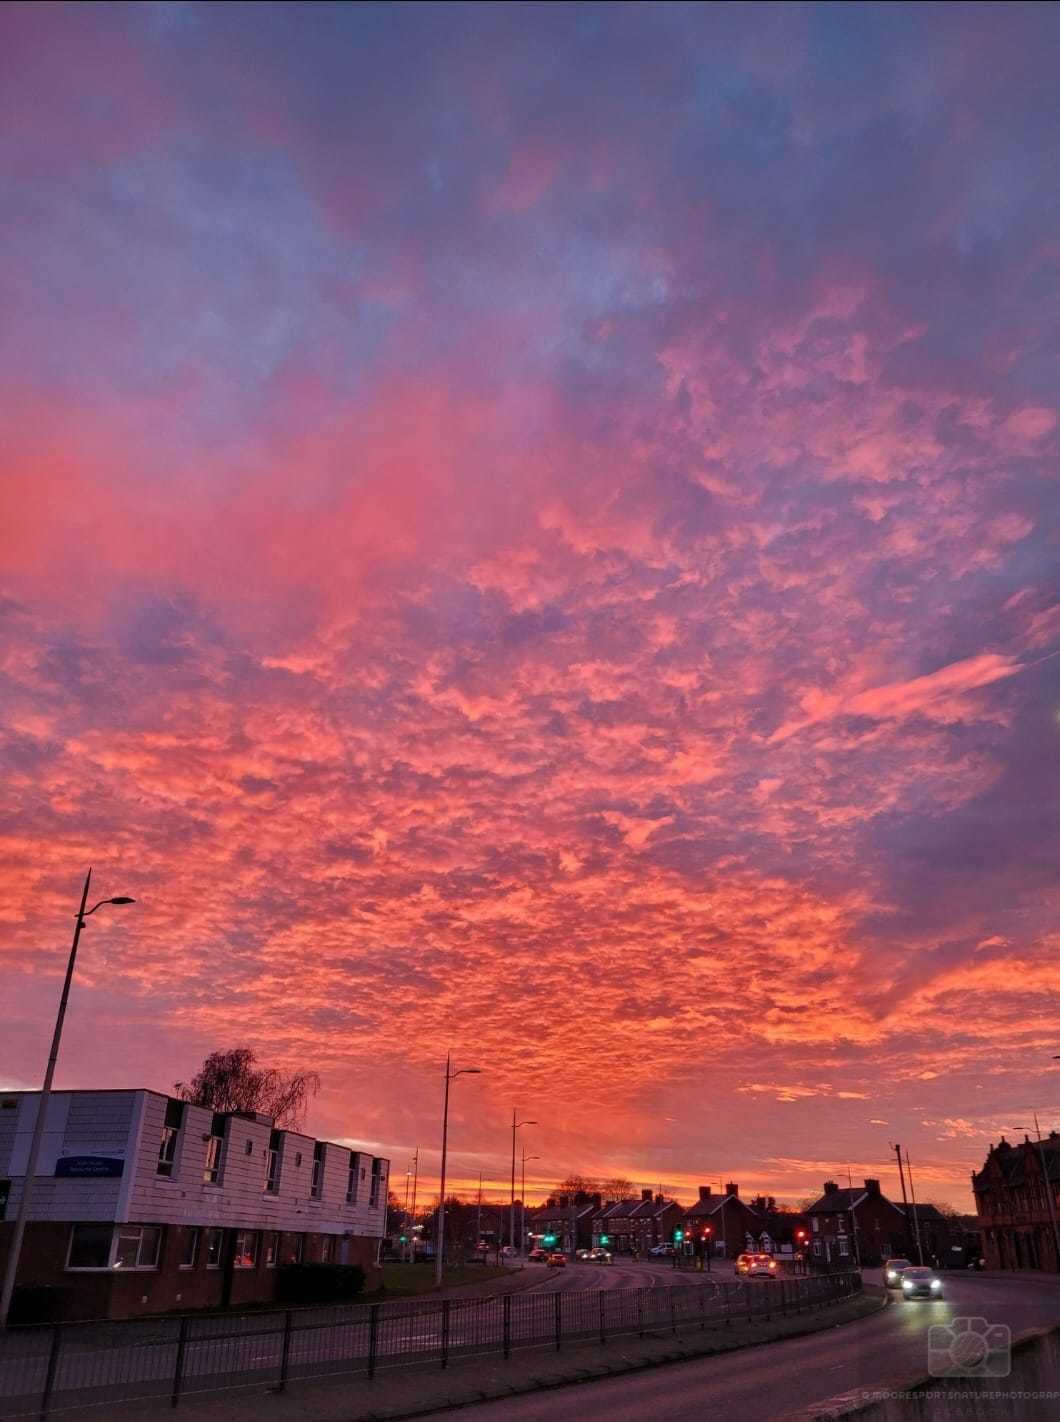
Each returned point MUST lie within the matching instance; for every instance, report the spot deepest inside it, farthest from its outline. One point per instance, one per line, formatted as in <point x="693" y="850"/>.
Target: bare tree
<point x="232" y="1081"/>
<point x="617" y="1188"/>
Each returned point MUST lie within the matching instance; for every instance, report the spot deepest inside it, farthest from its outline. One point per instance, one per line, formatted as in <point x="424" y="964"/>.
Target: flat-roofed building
<point x="143" y="1203"/>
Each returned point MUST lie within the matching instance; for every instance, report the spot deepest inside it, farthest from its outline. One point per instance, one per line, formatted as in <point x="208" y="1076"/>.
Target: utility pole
<point x="1047" y="1184"/>
<point x="854" y="1220"/>
<point x="478" y="1217"/>
<point x="916" y="1220"/>
<point x="901" y="1176"/>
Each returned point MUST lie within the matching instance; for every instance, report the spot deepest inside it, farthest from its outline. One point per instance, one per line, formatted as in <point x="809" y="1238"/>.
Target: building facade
<point x="1012" y="1201"/>
<point x="144" y="1204"/>
<point x="723" y="1221"/>
<point x="856" y="1226"/>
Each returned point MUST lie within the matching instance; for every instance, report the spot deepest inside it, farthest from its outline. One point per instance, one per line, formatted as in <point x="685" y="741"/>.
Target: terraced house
<point x="143" y="1203"/>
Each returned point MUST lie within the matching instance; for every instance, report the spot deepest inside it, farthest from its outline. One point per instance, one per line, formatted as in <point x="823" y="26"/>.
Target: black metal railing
<point x="68" y="1365"/>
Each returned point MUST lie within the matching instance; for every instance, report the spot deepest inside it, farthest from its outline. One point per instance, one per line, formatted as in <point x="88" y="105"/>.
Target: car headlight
<point x="936" y="1283"/>
<point x="906" y="1284"/>
<point x="891" y="1274"/>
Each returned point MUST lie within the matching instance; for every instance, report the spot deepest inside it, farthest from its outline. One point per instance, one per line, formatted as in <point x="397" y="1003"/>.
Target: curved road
<point x="762" y="1384"/>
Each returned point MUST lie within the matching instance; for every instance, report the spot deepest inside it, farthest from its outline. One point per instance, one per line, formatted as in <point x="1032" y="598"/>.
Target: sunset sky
<point x="533" y="530"/>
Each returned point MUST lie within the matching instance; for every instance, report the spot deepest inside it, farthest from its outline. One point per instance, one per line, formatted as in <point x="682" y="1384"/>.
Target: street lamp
<point x="42" y="1105"/>
<point x="515" y="1126"/>
<point x="440" y="1237"/>
<point x="1046" y="1182"/>
<point x="522" y="1204"/>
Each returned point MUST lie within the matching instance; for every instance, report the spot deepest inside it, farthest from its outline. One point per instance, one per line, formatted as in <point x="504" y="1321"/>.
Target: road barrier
<point x="59" y="1366"/>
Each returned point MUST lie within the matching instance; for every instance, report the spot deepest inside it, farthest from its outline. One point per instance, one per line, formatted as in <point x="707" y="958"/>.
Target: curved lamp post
<point x="515" y="1126"/>
<point x="439" y="1248"/>
<point x="42" y="1105"/>
<point x="522" y="1205"/>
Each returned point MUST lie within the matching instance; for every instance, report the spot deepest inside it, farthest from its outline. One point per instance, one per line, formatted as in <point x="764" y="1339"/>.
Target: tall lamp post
<point x="515" y="1126"/>
<point x="1045" y="1182"/>
<point x="42" y="1105"/>
<point x="522" y="1205"/>
<point x="439" y="1248"/>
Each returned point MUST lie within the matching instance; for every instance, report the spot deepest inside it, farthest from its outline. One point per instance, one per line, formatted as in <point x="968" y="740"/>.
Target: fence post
<point x="285" y="1351"/>
<point x="702" y="1309"/>
<point x="749" y="1301"/>
<point x="728" y="1304"/>
<point x="603" y="1328"/>
<point x="178" y="1366"/>
<point x="559" y="1320"/>
<point x="445" y="1332"/>
<point x="507" y="1322"/>
<point x="673" y="1314"/>
<point x="53" y="1368"/>
<point x="373" y="1337"/>
<point x="640" y="1313"/>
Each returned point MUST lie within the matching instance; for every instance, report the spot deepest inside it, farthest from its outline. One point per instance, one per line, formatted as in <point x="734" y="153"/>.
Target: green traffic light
<point x="679" y="1234"/>
<point x="605" y="1239"/>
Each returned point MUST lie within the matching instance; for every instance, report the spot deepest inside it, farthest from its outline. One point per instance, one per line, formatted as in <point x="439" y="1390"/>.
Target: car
<point x="556" y="1261"/>
<point x="763" y="1266"/>
<point x="583" y="1254"/>
<point x="892" y="1271"/>
<point x="743" y="1264"/>
<point x="660" y="1249"/>
<point x="920" y="1283"/>
<point x="538" y="1255"/>
<point x="601" y="1256"/>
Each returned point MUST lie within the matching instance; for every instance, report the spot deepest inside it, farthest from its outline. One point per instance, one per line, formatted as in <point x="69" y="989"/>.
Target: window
<point x="90" y="1246"/>
<point x="816" y="1224"/>
<point x="272" y="1247"/>
<point x="189" y="1247"/>
<point x="248" y="1148"/>
<point x="167" y="1149"/>
<point x="214" y="1150"/>
<point x="137" y="1247"/>
<point x="325" y="1249"/>
<point x="298" y="1159"/>
<point x="246" y="1251"/>
<point x="214" y="1240"/>
<point x="377" y="1166"/>
<point x="351" y="1180"/>
<point x="272" y="1169"/>
<point x="318" y="1170"/>
<point x="294" y="1249"/>
<point x="843" y="1250"/>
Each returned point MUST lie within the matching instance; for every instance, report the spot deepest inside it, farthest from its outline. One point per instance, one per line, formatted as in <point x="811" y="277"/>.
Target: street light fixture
<point x="1045" y="1181"/>
<point x="450" y="1075"/>
<point x="11" y="1269"/>
<point x="522" y="1205"/>
<point x="515" y="1126"/>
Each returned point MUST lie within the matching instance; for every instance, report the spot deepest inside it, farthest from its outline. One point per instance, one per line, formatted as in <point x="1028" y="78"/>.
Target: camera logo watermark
<point x="969" y="1348"/>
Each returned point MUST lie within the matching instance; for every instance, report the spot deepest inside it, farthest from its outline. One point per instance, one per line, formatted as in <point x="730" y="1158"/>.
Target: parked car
<point x="920" y="1283"/>
<point x="743" y="1264"/>
<point x="762" y="1265"/>
<point x="601" y="1256"/>
<point x="583" y="1254"/>
<point x="892" y="1271"/>
<point x="660" y="1249"/>
<point x="538" y="1255"/>
<point x="556" y="1261"/>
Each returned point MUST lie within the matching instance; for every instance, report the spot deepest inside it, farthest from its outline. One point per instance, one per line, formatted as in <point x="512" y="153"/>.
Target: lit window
<point x="246" y="1251"/>
<point x="294" y="1249"/>
<point x="214" y="1242"/>
<point x="325" y="1250"/>
<point x="272" y="1169"/>
<point x="189" y="1248"/>
<point x="90" y="1246"/>
<point x="167" y="1149"/>
<point x="137" y="1247"/>
<point x="272" y="1245"/>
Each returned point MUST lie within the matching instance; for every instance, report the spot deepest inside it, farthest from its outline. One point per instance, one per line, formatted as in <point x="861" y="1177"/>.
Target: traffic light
<point x="549" y="1239"/>
<point x="708" y="1230"/>
<point x="679" y="1234"/>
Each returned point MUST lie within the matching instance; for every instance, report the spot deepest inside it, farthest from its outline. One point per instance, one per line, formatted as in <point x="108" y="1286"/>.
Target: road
<point x="762" y="1385"/>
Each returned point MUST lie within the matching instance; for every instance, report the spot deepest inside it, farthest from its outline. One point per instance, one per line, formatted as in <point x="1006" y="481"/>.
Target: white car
<point x="763" y="1266"/>
<point x="659" y="1249"/>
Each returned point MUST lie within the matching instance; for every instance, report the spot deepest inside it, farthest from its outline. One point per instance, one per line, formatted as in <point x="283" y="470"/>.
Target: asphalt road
<point x="763" y="1384"/>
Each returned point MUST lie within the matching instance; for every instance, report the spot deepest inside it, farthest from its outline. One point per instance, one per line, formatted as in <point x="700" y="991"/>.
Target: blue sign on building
<point x="93" y="1167"/>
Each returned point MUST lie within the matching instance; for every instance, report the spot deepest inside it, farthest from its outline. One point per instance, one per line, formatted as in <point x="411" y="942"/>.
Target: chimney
<point x="732" y="1188"/>
<point x="704" y="1192"/>
<point x="659" y="1199"/>
<point x="872" y="1187"/>
<point x="645" y="1194"/>
<point x="830" y="1187"/>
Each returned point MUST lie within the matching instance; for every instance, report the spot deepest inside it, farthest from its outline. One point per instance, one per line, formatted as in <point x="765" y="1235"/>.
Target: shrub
<point x="318" y="1283"/>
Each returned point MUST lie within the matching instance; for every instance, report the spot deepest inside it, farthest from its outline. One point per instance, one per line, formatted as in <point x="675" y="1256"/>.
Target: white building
<point x="143" y="1202"/>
